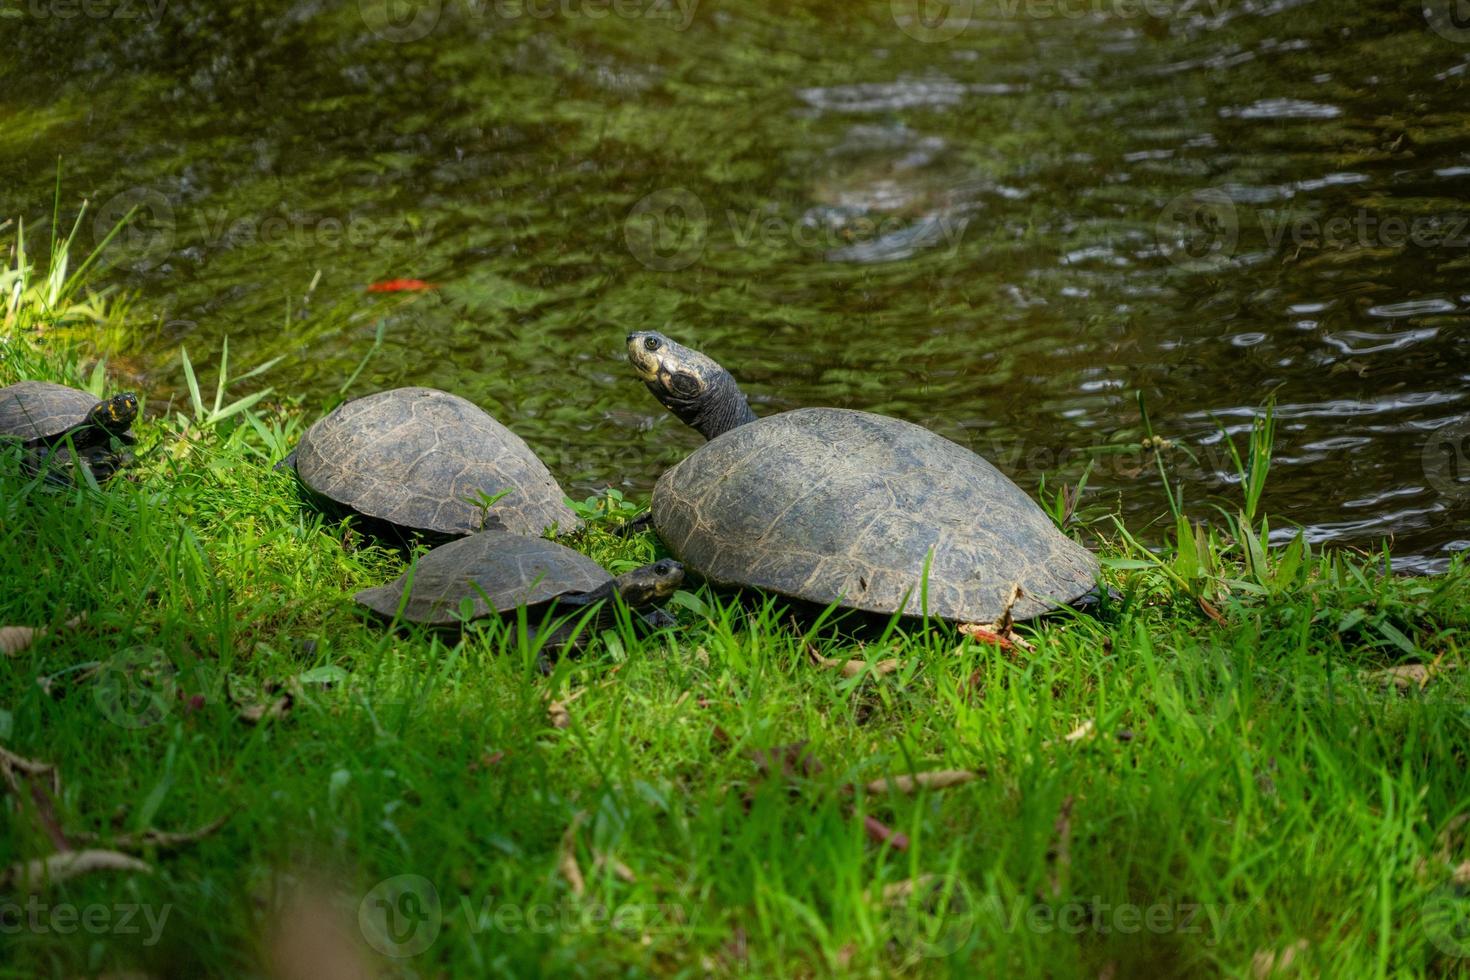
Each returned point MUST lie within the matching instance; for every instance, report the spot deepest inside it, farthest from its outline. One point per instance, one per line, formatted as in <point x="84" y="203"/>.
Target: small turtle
<point x="835" y="506"/>
<point x="44" y="417"/>
<point x="498" y="572"/>
<point x="424" y="461"/>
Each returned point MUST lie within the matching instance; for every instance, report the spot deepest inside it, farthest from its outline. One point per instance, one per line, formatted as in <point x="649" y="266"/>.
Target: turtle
<point x="424" y="462"/>
<point x="845" y="508"/>
<point x="44" y="417"/>
<point x="496" y="572"/>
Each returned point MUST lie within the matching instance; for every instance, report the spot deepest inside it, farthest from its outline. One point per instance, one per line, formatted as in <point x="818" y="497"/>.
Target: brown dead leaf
<point x="620" y="870"/>
<point x="898" y="892"/>
<point x="489" y="760"/>
<point x="985" y="634"/>
<point x="567" y="861"/>
<point x="557" y="713"/>
<point x="1002" y="632"/>
<point x="787" y="760"/>
<point x="1085" y="730"/>
<point x="1209" y="610"/>
<point x="34" y="876"/>
<point x="42" y="783"/>
<point x="1006" y="621"/>
<point x="1269" y="963"/>
<point x="15" y="640"/>
<point x="1059" y="857"/>
<point x="12" y="764"/>
<point x="910" y="784"/>
<point x="1404" y="677"/>
<point x="852" y="668"/>
<point x="157" y="839"/>
<point x="254" y="714"/>
<point x="880" y="833"/>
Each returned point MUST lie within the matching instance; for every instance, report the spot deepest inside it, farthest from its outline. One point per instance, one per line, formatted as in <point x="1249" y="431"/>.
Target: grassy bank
<point x="1212" y="775"/>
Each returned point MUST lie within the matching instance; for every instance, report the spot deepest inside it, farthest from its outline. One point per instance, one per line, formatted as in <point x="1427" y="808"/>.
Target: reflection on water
<point x="1004" y="232"/>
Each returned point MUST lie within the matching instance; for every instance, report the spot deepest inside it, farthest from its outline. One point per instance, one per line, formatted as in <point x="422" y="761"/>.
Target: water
<point x="1004" y="226"/>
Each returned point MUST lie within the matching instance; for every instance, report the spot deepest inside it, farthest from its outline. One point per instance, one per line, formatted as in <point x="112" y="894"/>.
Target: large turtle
<point x="497" y="572"/>
<point x="837" y="506"/>
<point x="44" y="417"/>
<point x="425" y="462"/>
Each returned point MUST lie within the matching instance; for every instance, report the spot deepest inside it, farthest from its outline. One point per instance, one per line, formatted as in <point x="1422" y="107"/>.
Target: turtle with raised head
<point x="45" y="418"/>
<point x="834" y="506"/>
<point x="425" y="462"/>
<point x="494" y="573"/>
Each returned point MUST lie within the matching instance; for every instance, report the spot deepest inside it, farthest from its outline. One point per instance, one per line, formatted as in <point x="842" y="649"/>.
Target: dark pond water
<point x="1004" y="224"/>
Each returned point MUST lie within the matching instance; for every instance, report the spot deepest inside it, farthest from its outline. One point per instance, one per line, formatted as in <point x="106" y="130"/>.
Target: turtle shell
<point x="496" y="571"/>
<point x="838" y="506"/>
<point x="419" y="459"/>
<point x="38" y="411"/>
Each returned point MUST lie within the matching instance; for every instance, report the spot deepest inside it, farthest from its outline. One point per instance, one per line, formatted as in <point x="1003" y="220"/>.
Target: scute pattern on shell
<point x="418" y="458"/>
<point x="832" y="505"/>
<point x="32" y="411"/>
<point x="510" y="569"/>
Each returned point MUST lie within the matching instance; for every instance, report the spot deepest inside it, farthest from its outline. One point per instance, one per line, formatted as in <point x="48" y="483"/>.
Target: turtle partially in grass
<point x="834" y="506"/>
<point x="494" y="573"/>
<point x="426" y="462"/>
<point x="45" y="418"/>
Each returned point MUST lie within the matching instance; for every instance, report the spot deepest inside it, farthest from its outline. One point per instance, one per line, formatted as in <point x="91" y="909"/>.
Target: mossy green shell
<point x="837" y="506"/>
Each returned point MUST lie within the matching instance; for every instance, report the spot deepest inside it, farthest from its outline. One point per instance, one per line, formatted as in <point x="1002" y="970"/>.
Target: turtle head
<point x="114" y="414"/>
<point x="649" y="584"/>
<point x="690" y="384"/>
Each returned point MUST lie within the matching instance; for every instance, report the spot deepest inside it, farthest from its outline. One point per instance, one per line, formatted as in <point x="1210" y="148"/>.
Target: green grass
<point x="1243" y="787"/>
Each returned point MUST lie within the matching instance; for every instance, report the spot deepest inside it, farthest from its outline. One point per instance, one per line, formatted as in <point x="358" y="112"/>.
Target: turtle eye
<point x="651" y="344"/>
